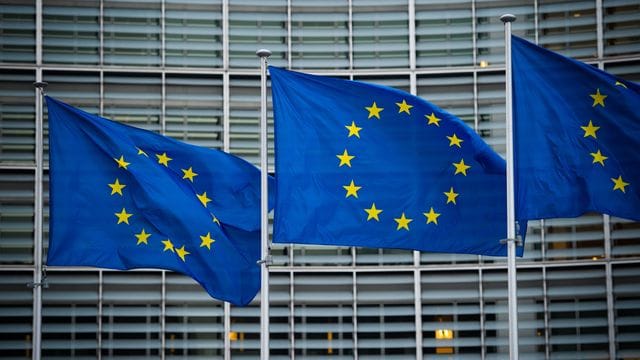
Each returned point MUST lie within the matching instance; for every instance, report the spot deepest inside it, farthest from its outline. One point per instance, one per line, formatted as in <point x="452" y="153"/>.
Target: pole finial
<point x="263" y="53"/>
<point x="41" y="85"/>
<point x="508" y="18"/>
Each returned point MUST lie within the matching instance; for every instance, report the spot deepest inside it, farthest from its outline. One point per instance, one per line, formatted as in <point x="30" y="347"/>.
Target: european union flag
<point x="576" y="137"/>
<point x="359" y="164"/>
<point x="125" y="198"/>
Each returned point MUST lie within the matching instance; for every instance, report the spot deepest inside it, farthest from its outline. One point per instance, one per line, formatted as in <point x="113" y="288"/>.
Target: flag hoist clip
<point x="43" y="282"/>
<point x="41" y="85"/>
<point x="518" y="238"/>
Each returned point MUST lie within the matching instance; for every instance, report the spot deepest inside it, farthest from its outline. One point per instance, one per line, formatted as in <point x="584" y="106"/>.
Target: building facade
<point x="187" y="69"/>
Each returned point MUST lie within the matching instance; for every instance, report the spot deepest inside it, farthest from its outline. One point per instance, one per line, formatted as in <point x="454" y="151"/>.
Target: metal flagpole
<point x="38" y="280"/>
<point x="264" y="210"/>
<point x="507" y="19"/>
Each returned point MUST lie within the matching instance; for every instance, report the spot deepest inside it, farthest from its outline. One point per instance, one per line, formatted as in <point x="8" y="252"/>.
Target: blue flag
<point x="359" y="164"/>
<point x="124" y="198"/>
<point x="576" y="137"/>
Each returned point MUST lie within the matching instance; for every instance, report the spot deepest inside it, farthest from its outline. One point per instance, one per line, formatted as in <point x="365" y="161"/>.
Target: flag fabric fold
<point x="360" y="164"/>
<point x="125" y="198"/>
<point x="576" y="137"/>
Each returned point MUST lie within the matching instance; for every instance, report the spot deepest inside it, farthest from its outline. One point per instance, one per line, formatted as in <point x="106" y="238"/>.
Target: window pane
<point x="16" y="216"/>
<point x="193" y="33"/>
<point x="380" y="34"/>
<point x="70" y="315"/>
<point x="132" y="33"/>
<point x="134" y="99"/>
<point x="254" y="25"/>
<point x="193" y="109"/>
<point x="621" y="30"/>
<point x="568" y="27"/>
<point x="17" y="31"/>
<point x="444" y="35"/>
<point x="319" y="34"/>
<point x="131" y="314"/>
<point x="16" y="311"/>
<point x="17" y="116"/>
<point x="71" y="32"/>
<point x="194" y="322"/>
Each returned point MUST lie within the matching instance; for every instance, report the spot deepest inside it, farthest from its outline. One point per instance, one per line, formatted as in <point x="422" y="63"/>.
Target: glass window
<point x="70" y="315"/>
<point x="71" y="32"/>
<point x="244" y="119"/>
<point x="17" y="116"/>
<point x="386" y="314"/>
<point x="323" y="314"/>
<point x="132" y="33"/>
<point x="491" y="111"/>
<point x="134" y="99"/>
<point x="17" y="31"/>
<point x="626" y="306"/>
<point x="577" y="312"/>
<point x="194" y="322"/>
<point x="568" y="27"/>
<point x="621" y="30"/>
<point x="444" y="33"/>
<point x="131" y="314"/>
<point x="380" y="34"/>
<point x="450" y="313"/>
<point x="254" y="25"/>
<point x="320" y="34"/>
<point x="193" y="33"/>
<point x="16" y="216"/>
<point x="193" y="109"/>
<point x="577" y="238"/>
<point x="16" y="311"/>
<point x="245" y="329"/>
<point x="490" y="29"/>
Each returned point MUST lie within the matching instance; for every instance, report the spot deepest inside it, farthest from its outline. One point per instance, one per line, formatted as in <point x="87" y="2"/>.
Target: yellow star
<point x="404" y="107"/>
<point x="215" y="219"/>
<point x="163" y="159"/>
<point x="618" y="83"/>
<point x="345" y="158"/>
<point x="116" y="187"/>
<point x="454" y="140"/>
<point x="189" y="174"/>
<point x="373" y="212"/>
<point x="182" y="253"/>
<point x="403" y="222"/>
<point x="121" y="162"/>
<point x="352" y="190"/>
<point x="451" y="196"/>
<point x="374" y="110"/>
<point x="433" y="120"/>
<point x="168" y="245"/>
<point x="598" y="157"/>
<point x="590" y="130"/>
<point x="432" y="216"/>
<point x="353" y="130"/>
<point x="598" y="99"/>
<point x="141" y="152"/>
<point x="619" y="184"/>
<point x="142" y="237"/>
<point x="203" y="198"/>
<point x="206" y="241"/>
<point x="461" y="168"/>
<point x="123" y="216"/>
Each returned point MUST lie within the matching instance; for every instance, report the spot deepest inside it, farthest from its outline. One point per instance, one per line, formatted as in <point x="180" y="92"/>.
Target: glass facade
<point x="187" y="68"/>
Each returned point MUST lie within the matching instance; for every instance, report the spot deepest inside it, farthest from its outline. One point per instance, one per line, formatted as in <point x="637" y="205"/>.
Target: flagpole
<point x="38" y="280"/>
<point x="507" y="19"/>
<point x="264" y="210"/>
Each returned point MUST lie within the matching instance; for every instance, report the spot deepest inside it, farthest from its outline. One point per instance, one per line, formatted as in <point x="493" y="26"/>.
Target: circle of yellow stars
<point x="351" y="189"/>
<point x="591" y="131"/>
<point x="142" y="237"/>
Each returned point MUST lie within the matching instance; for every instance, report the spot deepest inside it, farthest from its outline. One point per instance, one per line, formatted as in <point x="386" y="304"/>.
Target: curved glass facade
<point x="187" y="68"/>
